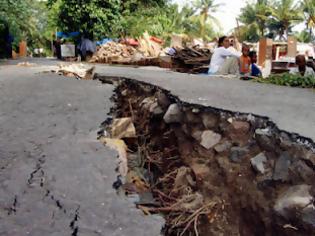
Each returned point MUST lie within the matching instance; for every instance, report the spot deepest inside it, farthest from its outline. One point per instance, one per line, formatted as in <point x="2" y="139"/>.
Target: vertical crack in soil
<point x="210" y="171"/>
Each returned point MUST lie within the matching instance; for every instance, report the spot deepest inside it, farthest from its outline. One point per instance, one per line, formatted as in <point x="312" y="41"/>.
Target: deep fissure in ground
<point x="214" y="172"/>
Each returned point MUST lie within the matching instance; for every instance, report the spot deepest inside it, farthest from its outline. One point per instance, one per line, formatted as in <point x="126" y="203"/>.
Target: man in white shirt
<point x="224" y="60"/>
<point x="302" y="69"/>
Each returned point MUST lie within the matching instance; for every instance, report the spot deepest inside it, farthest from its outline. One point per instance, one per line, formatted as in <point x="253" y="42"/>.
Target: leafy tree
<point x="308" y="7"/>
<point x="204" y="9"/>
<point x="254" y="17"/>
<point x="285" y="15"/>
<point x="92" y="17"/>
<point x="26" y="20"/>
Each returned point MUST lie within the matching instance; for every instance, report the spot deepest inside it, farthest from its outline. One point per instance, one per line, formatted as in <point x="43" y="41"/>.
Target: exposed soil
<point x="213" y="172"/>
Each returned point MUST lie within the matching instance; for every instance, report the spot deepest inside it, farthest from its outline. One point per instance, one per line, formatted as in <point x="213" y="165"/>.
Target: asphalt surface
<point x="55" y="177"/>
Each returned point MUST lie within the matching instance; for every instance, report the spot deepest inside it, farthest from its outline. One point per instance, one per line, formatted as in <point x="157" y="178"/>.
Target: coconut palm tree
<point x="308" y="7"/>
<point x="255" y="15"/>
<point x="285" y="15"/>
<point x="205" y="9"/>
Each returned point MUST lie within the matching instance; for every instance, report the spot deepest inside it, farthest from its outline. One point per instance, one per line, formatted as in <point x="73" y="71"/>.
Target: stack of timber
<point x="192" y="60"/>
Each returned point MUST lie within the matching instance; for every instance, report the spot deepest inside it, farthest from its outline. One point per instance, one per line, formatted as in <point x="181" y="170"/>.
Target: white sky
<point x="228" y="12"/>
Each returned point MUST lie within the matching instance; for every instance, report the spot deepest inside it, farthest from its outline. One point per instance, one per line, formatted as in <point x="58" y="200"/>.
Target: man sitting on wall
<point x="302" y="69"/>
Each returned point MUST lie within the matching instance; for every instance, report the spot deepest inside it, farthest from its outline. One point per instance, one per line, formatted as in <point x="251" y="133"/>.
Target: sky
<point x="228" y="12"/>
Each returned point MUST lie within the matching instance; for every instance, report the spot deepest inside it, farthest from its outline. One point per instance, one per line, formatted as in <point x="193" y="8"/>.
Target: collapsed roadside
<point x="209" y="171"/>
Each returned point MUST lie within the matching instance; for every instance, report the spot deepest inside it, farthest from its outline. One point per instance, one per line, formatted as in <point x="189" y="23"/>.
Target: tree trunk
<point x="262" y="32"/>
<point x="287" y="31"/>
<point x="204" y="17"/>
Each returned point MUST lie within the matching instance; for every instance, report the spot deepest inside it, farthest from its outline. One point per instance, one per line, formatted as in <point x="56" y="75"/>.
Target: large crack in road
<point x="210" y="171"/>
<point x="56" y="178"/>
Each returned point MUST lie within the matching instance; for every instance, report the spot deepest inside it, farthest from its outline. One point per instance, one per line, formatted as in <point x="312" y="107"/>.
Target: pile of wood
<point x="192" y="60"/>
<point x="116" y="53"/>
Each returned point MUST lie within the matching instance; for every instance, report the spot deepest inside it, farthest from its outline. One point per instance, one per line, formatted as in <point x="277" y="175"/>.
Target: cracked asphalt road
<point x="55" y="177"/>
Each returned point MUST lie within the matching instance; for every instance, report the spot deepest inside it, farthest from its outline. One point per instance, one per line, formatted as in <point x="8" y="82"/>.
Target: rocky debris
<point x="123" y="128"/>
<point x="238" y="154"/>
<point x="196" y="133"/>
<point x="281" y="170"/>
<point x="173" y="114"/>
<point x="309" y="157"/>
<point x="308" y="215"/>
<point x="301" y="171"/>
<point x="223" y="147"/>
<point x="209" y="139"/>
<point x="113" y="52"/>
<point x="259" y="163"/>
<point x="265" y="139"/>
<point x="296" y="203"/>
<point x="210" y="121"/>
<point x="203" y="152"/>
<point x="191" y="168"/>
<point x="186" y="148"/>
<point x="156" y="109"/>
<point x="201" y="171"/>
<point x="191" y="117"/>
<point x="163" y="100"/>
<point x="238" y="131"/>
<point x="240" y="127"/>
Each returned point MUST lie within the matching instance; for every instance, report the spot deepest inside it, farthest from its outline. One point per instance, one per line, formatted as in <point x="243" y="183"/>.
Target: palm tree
<point x="205" y="9"/>
<point x="255" y="15"/>
<point x="308" y="7"/>
<point x="285" y="14"/>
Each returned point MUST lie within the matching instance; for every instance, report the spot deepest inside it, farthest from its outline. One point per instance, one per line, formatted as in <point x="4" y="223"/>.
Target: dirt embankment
<point x="214" y="172"/>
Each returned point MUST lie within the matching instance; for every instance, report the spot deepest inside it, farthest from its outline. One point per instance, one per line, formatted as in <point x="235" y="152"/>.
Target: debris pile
<point x="192" y="60"/>
<point x="210" y="172"/>
<point x="146" y="52"/>
<point x="113" y="52"/>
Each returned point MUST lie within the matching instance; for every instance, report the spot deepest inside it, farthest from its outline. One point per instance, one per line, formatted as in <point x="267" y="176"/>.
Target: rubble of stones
<point x="253" y="178"/>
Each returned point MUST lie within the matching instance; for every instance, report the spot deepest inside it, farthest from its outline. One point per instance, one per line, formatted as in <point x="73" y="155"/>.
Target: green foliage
<point x="155" y="20"/>
<point x="308" y="7"/>
<point x="116" y="18"/>
<point x="254" y="16"/>
<point x="163" y="21"/>
<point x="285" y="14"/>
<point x="27" y="20"/>
<point x="92" y="17"/>
<point x="287" y="79"/>
<point x="304" y="36"/>
<point x="203" y="13"/>
<point x="270" y="18"/>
